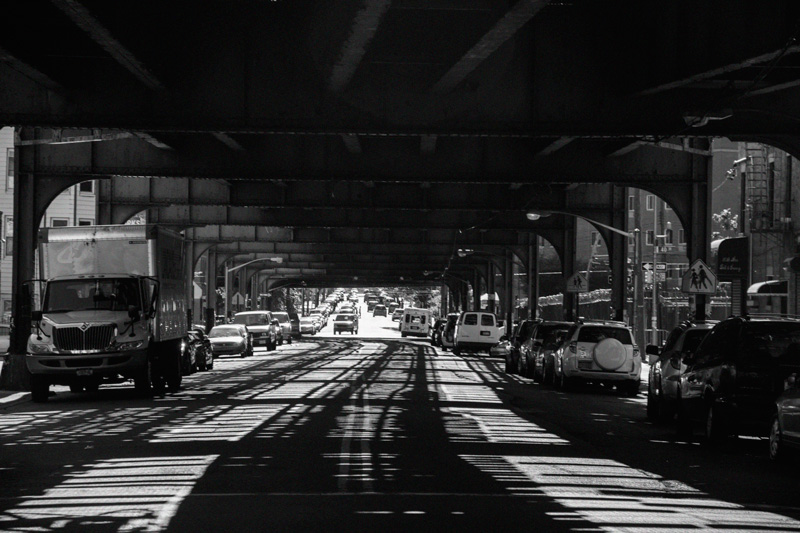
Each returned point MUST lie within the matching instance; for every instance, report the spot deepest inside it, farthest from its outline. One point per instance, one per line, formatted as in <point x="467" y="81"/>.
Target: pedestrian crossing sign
<point x="699" y="279"/>
<point x="577" y="283"/>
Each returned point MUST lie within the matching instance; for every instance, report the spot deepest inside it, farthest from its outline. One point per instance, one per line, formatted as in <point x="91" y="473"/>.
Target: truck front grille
<point x="74" y="338"/>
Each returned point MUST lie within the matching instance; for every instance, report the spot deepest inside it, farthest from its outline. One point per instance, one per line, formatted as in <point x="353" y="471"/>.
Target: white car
<point x="475" y="331"/>
<point x="309" y="324"/>
<point x="600" y="352"/>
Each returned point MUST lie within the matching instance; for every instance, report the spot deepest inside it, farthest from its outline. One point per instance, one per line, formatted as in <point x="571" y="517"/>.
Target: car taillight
<point x="573" y="347"/>
<point x="636" y="351"/>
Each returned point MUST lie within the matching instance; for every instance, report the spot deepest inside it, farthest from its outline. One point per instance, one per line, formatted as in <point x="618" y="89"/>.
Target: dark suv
<point x="521" y="333"/>
<point x="731" y="382"/>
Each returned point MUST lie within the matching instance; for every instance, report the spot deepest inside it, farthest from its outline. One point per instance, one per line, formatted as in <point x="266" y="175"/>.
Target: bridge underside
<point x="365" y="142"/>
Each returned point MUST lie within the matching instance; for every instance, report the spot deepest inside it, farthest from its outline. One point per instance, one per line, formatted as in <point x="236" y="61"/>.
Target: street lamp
<point x="537" y="214"/>
<point x="237" y="267"/>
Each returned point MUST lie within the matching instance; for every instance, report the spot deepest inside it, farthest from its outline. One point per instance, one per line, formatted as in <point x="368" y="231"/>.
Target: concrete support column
<point x="569" y="266"/>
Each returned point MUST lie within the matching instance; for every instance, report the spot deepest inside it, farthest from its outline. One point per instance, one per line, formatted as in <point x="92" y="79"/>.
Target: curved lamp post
<point x="237" y="267"/>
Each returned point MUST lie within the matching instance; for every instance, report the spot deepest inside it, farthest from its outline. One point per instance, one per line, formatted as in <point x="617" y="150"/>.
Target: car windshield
<point x="307" y="319"/>
<point x="344" y="317"/>
<point x="693" y="338"/>
<point x="225" y="331"/>
<point x="598" y="333"/>
<point x="778" y="341"/>
<point x="251" y="320"/>
<point x="282" y="317"/>
<point x="91" y="294"/>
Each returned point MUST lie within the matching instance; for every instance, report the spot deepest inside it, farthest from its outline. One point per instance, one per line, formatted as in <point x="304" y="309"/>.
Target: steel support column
<point x="618" y="254"/>
<point x="508" y="297"/>
<point x="568" y="262"/>
<point x="533" y="276"/>
<point x="700" y="243"/>
<point x="211" y="290"/>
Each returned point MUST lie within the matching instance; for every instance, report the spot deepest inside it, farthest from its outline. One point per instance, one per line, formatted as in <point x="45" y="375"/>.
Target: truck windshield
<point x="91" y="294"/>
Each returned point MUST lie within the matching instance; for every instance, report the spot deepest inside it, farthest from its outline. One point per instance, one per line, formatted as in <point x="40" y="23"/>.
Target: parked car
<point x="732" y="381"/>
<point x="230" y="339"/>
<point x="278" y="331"/>
<point x="379" y="310"/>
<point x="436" y="331"/>
<point x="294" y="318"/>
<point x="540" y="347"/>
<point x="397" y="315"/>
<point x="449" y="330"/>
<point x="666" y="366"/>
<point x="784" y="433"/>
<point x="285" y="324"/>
<point x="203" y="356"/>
<point x="345" y="322"/>
<point x="520" y="334"/>
<point x="599" y="352"/>
<point x="475" y="331"/>
<point x="259" y="325"/>
<point x="188" y="356"/>
<point x="309" y="324"/>
<point x="416" y="322"/>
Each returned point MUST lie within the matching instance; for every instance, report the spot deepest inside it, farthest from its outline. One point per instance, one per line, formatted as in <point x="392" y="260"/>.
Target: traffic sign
<point x="647" y="266"/>
<point x="699" y="279"/>
<point x="577" y="283"/>
<point x="661" y="266"/>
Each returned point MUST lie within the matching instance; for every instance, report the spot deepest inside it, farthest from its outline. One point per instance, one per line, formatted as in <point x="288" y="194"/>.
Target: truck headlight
<point x="40" y="348"/>
<point x="124" y="346"/>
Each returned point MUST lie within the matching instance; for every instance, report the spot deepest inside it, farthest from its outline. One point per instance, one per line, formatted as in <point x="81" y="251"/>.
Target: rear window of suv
<point x="597" y="333"/>
<point x="487" y="320"/>
<point x="775" y="340"/>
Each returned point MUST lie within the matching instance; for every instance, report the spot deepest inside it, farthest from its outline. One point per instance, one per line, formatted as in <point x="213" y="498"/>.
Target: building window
<point x="9" y="169"/>
<point x="649" y="237"/>
<point x="59" y="222"/>
<point x="86" y="187"/>
<point x="651" y="202"/>
<point x="631" y="205"/>
<point x="681" y="237"/>
<point x="9" y="235"/>
<point x="667" y="206"/>
<point x="86" y="222"/>
<point x="668" y="237"/>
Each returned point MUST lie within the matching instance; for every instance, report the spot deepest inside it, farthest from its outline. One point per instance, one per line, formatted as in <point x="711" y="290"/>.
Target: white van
<point x="415" y="322"/>
<point x="476" y="331"/>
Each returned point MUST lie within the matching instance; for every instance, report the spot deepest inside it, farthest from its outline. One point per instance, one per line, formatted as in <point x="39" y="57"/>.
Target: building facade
<point x="76" y="206"/>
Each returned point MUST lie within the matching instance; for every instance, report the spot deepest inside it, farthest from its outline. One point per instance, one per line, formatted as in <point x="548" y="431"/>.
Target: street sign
<point x="577" y="283"/>
<point x="647" y="266"/>
<point x="661" y="266"/>
<point x="237" y="299"/>
<point x="699" y="279"/>
<point x="661" y="276"/>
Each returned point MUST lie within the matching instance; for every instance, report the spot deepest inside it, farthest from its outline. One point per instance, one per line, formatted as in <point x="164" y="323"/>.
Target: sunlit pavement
<point x="360" y="433"/>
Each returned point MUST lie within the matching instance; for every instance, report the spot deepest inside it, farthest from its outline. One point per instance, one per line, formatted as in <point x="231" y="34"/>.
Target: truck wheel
<point x="457" y="350"/>
<point x="172" y="371"/>
<point x="40" y="389"/>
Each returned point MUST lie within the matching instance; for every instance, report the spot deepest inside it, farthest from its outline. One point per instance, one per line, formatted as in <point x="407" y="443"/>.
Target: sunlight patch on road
<point x="216" y="423"/>
<point x="501" y="426"/>
<point x="613" y="496"/>
<point x="139" y="494"/>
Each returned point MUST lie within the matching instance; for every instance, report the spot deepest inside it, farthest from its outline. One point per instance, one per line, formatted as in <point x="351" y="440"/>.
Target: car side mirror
<point x="36" y="316"/>
<point x="134" y="313"/>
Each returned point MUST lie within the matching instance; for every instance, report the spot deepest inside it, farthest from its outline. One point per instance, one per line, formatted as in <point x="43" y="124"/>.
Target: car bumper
<point x="572" y="371"/>
<point x="87" y="365"/>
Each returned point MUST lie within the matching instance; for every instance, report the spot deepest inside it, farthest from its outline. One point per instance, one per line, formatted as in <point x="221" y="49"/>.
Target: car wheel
<point x="684" y="424"/>
<point x="631" y="388"/>
<point x="403" y="334"/>
<point x="776" y="452"/>
<point x="521" y="366"/>
<point x="653" y="406"/>
<point x="457" y="350"/>
<point x="715" y="426"/>
<point x="40" y="389"/>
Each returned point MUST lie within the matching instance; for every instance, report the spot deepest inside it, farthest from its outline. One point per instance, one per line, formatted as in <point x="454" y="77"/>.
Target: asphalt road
<point x="373" y="433"/>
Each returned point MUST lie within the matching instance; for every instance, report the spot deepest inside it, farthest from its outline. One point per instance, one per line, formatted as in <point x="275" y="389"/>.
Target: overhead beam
<point x="365" y="25"/>
<point x="556" y="145"/>
<point x="143" y="135"/>
<point x="352" y="143"/>
<point x="731" y="67"/>
<point x="502" y="31"/>
<point x="99" y="34"/>
<point x="28" y="71"/>
<point x="228" y="141"/>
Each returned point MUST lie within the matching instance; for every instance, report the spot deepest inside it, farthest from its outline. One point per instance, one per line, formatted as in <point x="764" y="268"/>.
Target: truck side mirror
<point x="134" y="313"/>
<point x="36" y="316"/>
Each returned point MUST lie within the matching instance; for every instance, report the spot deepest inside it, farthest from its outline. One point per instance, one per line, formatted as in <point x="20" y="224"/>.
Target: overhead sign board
<point x="699" y="279"/>
<point x="577" y="283"/>
<point x="733" y="259"/>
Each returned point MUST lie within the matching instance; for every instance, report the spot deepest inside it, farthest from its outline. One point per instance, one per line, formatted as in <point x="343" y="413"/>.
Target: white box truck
<point x="113" y="308"/>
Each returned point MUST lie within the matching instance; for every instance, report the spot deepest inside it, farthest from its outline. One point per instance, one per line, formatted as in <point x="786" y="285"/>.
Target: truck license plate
<point x="84" y="372"/>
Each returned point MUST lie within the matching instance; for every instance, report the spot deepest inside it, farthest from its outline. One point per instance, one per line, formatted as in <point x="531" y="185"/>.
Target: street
<point x="372" y="432"/>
